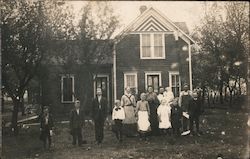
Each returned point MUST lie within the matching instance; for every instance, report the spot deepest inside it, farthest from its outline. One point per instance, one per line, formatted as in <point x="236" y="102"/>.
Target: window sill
<point x="152" y="58"/>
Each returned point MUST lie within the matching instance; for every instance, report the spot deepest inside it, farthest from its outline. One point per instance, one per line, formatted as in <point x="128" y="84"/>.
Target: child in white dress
<point x="164" y="114"/>
<point x="143" y="112"/>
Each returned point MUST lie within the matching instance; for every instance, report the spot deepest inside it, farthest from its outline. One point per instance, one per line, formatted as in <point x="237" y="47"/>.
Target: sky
<point x="178" y="11"/>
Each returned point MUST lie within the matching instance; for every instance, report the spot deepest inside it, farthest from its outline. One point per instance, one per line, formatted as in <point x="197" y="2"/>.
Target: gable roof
<point x="182" y="26"/>
<point x="153" y="20"/>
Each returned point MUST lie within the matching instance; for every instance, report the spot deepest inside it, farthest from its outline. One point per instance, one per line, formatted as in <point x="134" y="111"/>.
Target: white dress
<point x="164" y="112"/>
<point x="143" y="121"/>
<point x="143" y="117"/>
<point x="169" y="96"/>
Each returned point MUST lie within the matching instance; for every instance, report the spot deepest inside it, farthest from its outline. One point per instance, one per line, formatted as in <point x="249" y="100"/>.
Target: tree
<point x="26" y="29"/>
<point x="89" y="43"/>
<point x="223" y="36"/>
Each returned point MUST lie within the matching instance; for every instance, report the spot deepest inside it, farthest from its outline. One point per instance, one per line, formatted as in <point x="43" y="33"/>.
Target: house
<point x="153" y="51"/>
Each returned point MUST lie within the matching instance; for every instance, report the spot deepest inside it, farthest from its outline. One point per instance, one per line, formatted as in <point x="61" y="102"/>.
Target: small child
<point x="194" y="111"/>
<point x="164" y="112"/>
<point x="143" y="112"/>
<point x="46" y="127"/>
<point x="176" y="116"/>
<point x="118" y="115"/>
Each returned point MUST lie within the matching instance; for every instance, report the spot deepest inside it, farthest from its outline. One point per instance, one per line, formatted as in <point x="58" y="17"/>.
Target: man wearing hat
<point x="99" y="113"/>
<point x="184" y="99"/>
<point x="76" y="123"/>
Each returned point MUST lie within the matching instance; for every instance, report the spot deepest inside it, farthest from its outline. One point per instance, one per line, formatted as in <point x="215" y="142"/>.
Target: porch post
<point x="114" y="70"/>
<point x="190" y="67"/>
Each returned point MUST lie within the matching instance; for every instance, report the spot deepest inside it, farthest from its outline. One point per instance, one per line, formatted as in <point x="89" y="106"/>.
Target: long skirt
<point x="129" y="115"/>
<point x="143" y="121"/>
<point x="165" y="123"/>
<point x="129" y="123"/>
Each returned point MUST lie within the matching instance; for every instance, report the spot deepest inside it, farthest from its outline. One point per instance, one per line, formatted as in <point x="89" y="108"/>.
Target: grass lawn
<point x="232" y="145"/>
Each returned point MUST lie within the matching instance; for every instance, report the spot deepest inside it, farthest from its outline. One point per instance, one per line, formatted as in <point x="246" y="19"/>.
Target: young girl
<point x="118" y="115"/>
<point x="164" y="112"/>
<point x="143" y="112"/>
<point x="46" y="127"/>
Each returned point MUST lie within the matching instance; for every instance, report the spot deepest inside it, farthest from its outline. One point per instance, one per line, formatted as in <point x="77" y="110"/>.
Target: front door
<point x="102" y="81"/>
<point x="153" y="80"/>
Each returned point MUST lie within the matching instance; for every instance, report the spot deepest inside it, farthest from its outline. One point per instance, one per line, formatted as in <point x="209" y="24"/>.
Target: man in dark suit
<point x="76" y="123"/>
<point x="99" y="113"/>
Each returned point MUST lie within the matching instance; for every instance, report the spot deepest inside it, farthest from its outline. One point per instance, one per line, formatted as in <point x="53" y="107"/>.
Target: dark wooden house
<point x="153" y="51"/>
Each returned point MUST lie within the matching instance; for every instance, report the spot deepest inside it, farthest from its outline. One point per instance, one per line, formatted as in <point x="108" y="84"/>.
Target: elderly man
<point x="99" y="113"/>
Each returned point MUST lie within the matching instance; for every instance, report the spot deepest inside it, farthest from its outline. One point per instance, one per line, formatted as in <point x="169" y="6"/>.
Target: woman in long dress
<point x="153" y="105"/>
<point x="128" y="103"/>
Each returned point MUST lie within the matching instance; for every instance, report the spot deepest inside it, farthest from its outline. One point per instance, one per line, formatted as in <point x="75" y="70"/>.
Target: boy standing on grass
<point x="194" y="111"/>
<point x="176" y="116"/>
<point x="118" y="115"/>
<point x="76" y="123"/>
<point x="46" y="127"/>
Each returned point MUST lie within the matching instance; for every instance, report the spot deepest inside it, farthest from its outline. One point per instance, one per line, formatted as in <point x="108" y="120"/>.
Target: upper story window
<point x="152" y="46"/>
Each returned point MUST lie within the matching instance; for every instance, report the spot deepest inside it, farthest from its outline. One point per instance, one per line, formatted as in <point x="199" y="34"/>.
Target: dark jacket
<point x="194" y="107"/>
<point x="99" y="113"/>
<point x="76" y="121"/>
<point x="176" y="112"/>
<point x="43" y="124"/>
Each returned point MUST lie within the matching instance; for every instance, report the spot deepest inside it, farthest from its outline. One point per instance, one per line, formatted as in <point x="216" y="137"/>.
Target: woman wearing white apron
<point x="143" y="112"/>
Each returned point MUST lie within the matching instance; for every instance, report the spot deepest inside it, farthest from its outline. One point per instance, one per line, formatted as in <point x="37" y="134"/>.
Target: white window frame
<point x="152" y="55"/>
<point x="170" y="73"/>
<point x="136" y="80"/>
<point x="73" y="88"/>
<point x="152" y="73"/>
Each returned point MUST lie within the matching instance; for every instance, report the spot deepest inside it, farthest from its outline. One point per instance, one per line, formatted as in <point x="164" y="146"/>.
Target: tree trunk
<point x="239" y="87"/>
<point x="231" y="98"/>
<point x="208" y="98"/>
<point x="221" y="90"/>
<point x="17" y="104"/>
<point x="14" y="126"/>
<point x="225" y="94"/>
<point x="214" y="98"/>
<point x="203" y="95"/>
<point x="2" y="104"/>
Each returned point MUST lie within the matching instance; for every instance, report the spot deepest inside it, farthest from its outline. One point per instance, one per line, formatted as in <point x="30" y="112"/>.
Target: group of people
<point x="157" y="114"/>
<point x="152" y="115"/>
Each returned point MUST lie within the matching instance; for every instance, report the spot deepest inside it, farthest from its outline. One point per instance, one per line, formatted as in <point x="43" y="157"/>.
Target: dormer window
<point x="152" y="46"/>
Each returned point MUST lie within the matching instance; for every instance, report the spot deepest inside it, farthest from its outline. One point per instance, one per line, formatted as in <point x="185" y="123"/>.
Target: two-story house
<point x="153" y="51"/>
